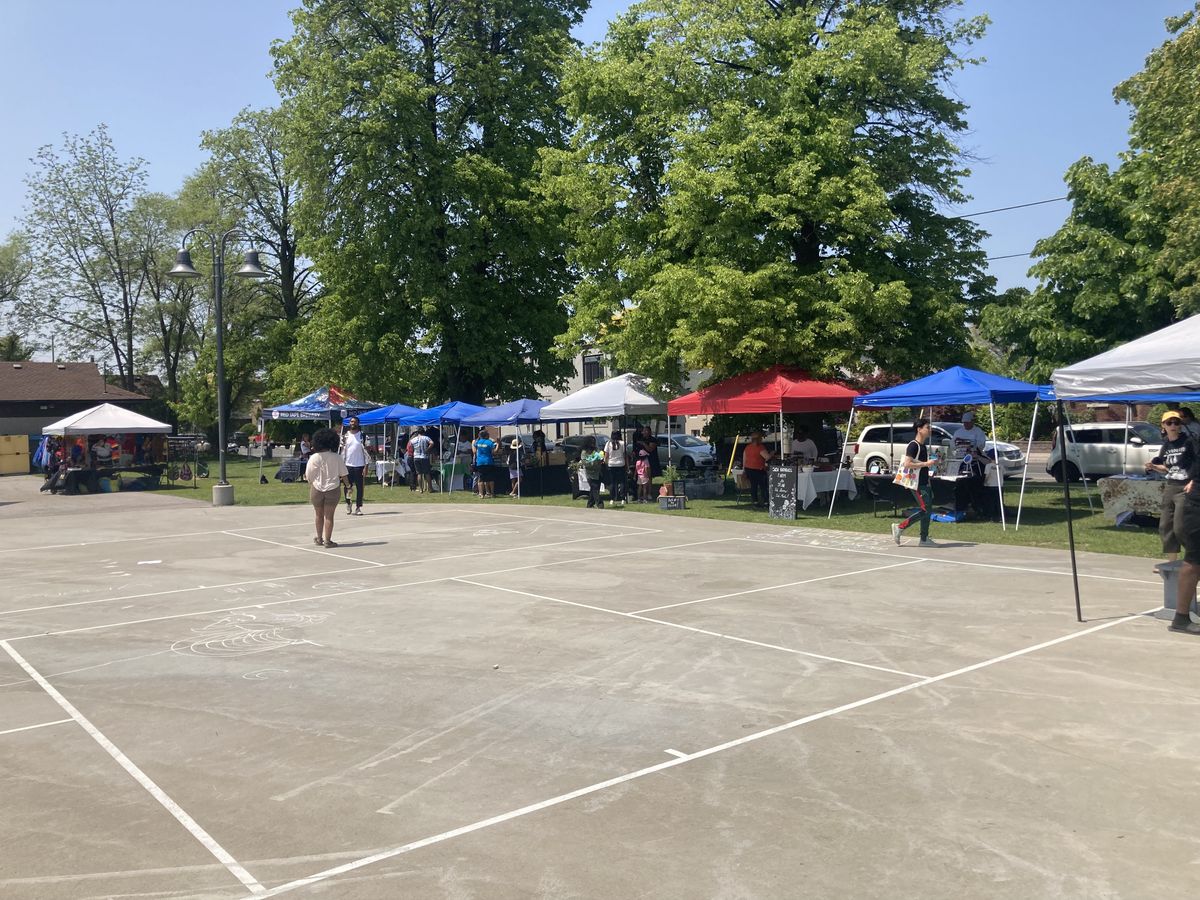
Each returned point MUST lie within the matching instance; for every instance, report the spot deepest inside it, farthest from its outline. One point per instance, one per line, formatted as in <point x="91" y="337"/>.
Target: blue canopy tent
<point x="515" y="412"/>
<point x="388" y="414"/>
<point x="321" y="405"/>
<point x="451" y="413"/>
<point x="956" y="386"/>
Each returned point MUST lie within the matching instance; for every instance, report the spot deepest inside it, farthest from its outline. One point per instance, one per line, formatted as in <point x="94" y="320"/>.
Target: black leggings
<point x="758" y="483"/>
<point x="616" y="483"/>
<point x="356" y="482"/>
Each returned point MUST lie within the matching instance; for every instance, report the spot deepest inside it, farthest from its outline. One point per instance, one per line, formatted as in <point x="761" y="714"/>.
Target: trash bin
<point x="1169" y="571"/>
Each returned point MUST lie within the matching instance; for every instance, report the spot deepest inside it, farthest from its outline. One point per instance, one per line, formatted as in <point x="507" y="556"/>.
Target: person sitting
<point x="101" y="453"/>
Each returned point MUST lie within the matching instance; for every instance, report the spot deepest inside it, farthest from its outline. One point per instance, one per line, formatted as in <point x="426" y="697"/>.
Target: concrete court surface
<point x="483" y="701"/>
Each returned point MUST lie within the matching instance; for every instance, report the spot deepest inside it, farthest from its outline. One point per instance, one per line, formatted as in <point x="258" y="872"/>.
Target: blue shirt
<point x="483" y="451"/>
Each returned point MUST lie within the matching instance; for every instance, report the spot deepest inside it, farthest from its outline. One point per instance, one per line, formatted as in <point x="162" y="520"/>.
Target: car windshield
<point x="1146" y="432"/>
<point x="688" y="440"/>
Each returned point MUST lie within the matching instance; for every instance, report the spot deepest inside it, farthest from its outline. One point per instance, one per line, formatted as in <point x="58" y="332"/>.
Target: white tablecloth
<point x="809" y="484"/>
<point x="384" y="467"/>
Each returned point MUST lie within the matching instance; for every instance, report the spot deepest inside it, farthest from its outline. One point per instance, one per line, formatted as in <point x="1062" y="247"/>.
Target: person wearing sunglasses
<point x="1173" y="461"/>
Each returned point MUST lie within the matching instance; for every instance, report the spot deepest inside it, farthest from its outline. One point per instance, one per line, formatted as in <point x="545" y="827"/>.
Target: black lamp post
<point x="250" y="268"/>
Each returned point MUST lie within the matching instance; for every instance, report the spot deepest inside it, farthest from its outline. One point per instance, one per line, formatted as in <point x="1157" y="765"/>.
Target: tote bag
<point x="907" y="477"/>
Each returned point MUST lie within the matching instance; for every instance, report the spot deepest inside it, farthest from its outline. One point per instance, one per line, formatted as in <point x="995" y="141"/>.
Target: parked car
<point x="572" y="444"/>
<point x="880" y="448"/>
<point x="1097" y="449"/>
<point x="687" y="452"/>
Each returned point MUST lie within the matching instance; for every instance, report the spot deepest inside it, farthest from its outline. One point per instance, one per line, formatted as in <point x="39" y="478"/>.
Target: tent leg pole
<point x="1082" y="476"/>
<point x="1025" y="470"/>
<point x="262" y="432"/>
<point x="1062" y="442"/>
<point x="837" y="478"/>
<point x="999" y="470"/>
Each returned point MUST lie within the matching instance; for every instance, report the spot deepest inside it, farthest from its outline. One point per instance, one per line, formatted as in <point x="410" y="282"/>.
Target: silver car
<point x="687" y="452"/>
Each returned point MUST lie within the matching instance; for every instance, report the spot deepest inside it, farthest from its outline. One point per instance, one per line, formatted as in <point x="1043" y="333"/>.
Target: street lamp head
<point x="183" y="267"/>
<point x="250" y="267"/>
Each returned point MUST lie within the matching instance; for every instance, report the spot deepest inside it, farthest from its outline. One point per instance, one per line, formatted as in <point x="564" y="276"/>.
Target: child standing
<point x="642" y="469"/>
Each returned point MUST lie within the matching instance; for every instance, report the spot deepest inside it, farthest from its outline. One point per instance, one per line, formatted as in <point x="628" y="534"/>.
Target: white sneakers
<point x="896" y="533"/>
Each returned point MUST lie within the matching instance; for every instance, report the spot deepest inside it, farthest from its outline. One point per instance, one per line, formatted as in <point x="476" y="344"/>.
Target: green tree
<point x="415" y="126"/>
<point x="1126" y="260"/>
<point x="758" y="181"/>
<point x="253" y="179"/>
<point x="1166" y="127"/>
<point x="15" y="266"/>
<point x="14" y="349"/>
<point x="87" y="248"/>
<point x="1100" y="280"/>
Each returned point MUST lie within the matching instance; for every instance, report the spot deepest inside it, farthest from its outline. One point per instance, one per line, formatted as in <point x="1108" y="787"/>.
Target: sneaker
<point x="926" y="542"/>
<point x="318" y="541"/>
<point x="358" y="512"/>
<point x="330" y="544"/>
<point x="349" y="507"/>
<point x="1184" y="624"/>
<point x="896" y="533"/>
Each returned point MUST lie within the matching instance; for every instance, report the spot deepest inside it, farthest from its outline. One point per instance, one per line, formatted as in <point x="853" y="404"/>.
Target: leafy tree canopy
<point x="414" y="129"/>
<point x="758" y="181"/>
<point x="1126" y="260"/>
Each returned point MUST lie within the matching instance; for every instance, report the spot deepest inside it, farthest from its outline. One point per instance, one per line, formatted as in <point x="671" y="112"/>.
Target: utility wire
<point x="984" y="212"/>
<point x="1009" y="256"/>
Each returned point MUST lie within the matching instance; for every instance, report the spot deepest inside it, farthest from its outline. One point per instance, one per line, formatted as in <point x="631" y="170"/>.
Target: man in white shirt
<point x="969" y="444"/>
<point x="354" y="452"/>
<point x="421" y="445"/>
<point x="804" y="446"/>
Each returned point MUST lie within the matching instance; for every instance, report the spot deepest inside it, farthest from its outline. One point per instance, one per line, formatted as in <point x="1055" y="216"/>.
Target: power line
<point x="984" y="212"/>
<point x="1010" y="256"/>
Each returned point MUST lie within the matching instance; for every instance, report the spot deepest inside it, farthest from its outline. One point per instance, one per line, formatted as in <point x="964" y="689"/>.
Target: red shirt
<point x="754" y="457"/>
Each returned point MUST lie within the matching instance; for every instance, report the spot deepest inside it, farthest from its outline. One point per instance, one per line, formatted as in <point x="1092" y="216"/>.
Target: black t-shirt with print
<point x="1178" y="456"/>
<point x="919" y="452"/>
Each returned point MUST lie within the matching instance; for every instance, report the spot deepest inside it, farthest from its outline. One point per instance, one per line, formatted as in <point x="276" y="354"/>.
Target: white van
<point x="1105" y="448"/>
<point x="880" y="448"/>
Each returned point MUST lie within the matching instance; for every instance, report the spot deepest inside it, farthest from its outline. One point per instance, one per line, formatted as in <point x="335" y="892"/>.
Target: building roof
<point x="31" y="382"/>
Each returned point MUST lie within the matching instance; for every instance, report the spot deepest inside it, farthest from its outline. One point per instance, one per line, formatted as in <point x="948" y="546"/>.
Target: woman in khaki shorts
<point x="326" y="474"/>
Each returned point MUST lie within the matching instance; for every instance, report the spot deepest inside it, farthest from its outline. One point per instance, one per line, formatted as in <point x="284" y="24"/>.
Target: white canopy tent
<point x="1166" y="361"/>
<point x="622" y="395"/>
<point x="106" y="419"/>
<point x="1163" y="362"/>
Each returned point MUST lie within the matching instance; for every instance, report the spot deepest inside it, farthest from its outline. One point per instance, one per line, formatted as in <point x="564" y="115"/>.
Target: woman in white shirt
<point x="615" y="459"/>
<point x="326" y="474"/>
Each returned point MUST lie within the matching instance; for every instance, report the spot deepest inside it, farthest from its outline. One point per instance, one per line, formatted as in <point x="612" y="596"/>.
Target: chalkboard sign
<point x="679" y="502"/>
<point x="781" y="492"/>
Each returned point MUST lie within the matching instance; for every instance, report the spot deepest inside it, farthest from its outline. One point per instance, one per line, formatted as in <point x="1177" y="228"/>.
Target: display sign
<point x="781" y="492"/>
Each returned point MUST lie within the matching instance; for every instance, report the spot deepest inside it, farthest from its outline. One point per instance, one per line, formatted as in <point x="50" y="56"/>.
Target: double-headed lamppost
<point x="250" y="268"/>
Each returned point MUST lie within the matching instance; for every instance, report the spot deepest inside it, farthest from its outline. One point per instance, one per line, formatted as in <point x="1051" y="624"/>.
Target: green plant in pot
<point x="670" y="477"/>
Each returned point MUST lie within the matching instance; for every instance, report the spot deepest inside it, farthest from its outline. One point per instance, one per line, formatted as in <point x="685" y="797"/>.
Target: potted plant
<point x="670" y="476"/>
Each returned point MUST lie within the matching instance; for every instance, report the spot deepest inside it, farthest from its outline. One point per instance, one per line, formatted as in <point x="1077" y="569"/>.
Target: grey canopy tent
<point x="1159" y="367"/>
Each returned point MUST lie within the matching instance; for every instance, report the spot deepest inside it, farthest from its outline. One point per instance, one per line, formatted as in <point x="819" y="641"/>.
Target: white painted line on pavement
<point x="728" y="637"/>
<point x="775" y="587"/>
<point x="39" y="725"/>
<point x="206" y="839"/>
<point x="313" y="549"/>
<point x="670" y="764"/>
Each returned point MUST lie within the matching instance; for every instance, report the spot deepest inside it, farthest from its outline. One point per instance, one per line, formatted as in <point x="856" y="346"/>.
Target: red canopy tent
<point x="779" y="389"/>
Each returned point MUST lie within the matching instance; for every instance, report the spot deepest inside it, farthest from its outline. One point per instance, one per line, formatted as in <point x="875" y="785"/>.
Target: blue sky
<point x="158" y="74"/>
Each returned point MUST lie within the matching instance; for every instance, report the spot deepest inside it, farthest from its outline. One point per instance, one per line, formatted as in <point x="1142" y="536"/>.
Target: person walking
<point x="916" y="456"/>
<point x="325" y="473"/>
<point x="616" y="463"/>
<point x="593" y="465"/>
<point x="354" y="452"/>
<point x="1173" y="460"/>
<point x="485" y="475"/>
